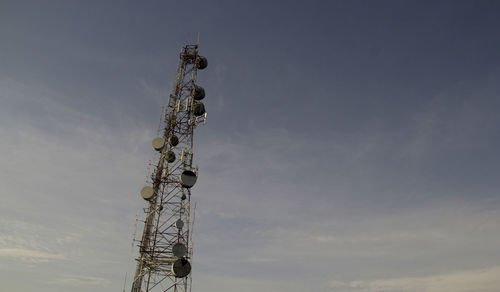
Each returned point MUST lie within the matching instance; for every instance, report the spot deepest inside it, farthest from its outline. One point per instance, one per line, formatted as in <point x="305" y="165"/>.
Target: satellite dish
<point x="181" y="268"/>
<point x="198" y="109"/>
<point x="170" y="156"/>
<point x="147" y="193"/>
<point x="198" y="92"/>
<point x="201" y="62"/>
<point x="188" y="178"/>
<point x="179" y="250"/>
<point x="158" y="143"/>
<point x="179" y="223"/>
<point x="173" y="140"/>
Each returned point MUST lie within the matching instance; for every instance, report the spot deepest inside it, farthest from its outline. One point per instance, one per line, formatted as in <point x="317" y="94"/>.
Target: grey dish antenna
<point x="170" y="156"/>
<point x="181" y="268"/>
<point x="201" y="62"/>
<point x="198" y="92"/>
<point x="188" y="178"/>
<point x="173" y="140"/>
<point x="179" y="224"/>
<point x="198" y="108"/>
<point x="179" y="250"/>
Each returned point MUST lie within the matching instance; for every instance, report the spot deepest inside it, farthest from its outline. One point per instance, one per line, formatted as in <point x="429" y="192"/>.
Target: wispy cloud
<point x="34" y="256"/>
<point x="484" y="280"/>
<point x="446" y="237"/>
<point x="78" y="281"/>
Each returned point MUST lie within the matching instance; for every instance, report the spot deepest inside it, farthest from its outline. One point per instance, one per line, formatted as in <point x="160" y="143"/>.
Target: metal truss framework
<point x="171" y="202"/>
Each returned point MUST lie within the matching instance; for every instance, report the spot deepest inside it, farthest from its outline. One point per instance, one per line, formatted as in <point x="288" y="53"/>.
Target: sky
<point x="350" y="146"/>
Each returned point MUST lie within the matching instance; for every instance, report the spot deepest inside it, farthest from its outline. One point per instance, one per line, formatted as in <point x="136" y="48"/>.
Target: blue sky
<point x="351" y="146"/>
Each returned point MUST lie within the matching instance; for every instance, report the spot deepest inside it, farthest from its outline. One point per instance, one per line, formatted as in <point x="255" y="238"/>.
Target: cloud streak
<point x="484" y="280"/>
<point x="30" y="255"/>
<point x="80" y="281"/>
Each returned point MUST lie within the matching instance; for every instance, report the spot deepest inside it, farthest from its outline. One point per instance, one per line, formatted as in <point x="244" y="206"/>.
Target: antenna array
<point x="165" y="249"/>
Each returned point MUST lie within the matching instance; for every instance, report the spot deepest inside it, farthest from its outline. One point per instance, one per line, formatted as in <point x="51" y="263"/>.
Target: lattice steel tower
<point x="165" y="249"/>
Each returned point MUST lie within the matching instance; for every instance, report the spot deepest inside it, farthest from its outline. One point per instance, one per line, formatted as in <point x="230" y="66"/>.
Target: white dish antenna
<point x="158" y="143"/>
<point x="147" y="193"/>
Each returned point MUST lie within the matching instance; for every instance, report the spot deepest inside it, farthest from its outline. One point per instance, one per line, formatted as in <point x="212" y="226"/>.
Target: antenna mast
<point x="165" y="249"/>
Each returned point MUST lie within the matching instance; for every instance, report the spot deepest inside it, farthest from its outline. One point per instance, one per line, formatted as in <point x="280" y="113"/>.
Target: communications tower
<point x="165" y="248"/>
